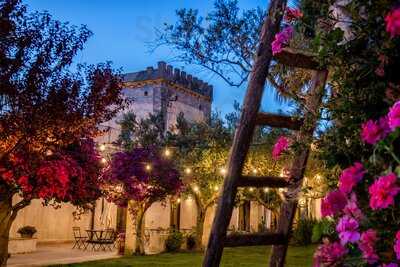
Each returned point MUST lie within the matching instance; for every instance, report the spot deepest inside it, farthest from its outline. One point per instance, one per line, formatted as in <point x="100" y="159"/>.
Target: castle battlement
<point x="175" y="75"/>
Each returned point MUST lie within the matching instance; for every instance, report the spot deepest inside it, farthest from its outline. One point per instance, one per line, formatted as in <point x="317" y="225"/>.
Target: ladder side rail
<point x="244" y="132"/>
<point x="289" y="206"/>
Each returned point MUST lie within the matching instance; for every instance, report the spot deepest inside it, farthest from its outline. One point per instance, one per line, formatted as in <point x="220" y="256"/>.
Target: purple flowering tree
<point x="366" y="204"/>
<point x="138" y="178"/>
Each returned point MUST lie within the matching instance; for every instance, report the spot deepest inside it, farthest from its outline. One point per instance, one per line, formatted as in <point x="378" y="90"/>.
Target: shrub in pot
<point x="27" y="231"/>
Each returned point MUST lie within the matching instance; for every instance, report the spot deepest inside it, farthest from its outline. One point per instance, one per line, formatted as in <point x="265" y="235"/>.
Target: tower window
<point x="200" y="107"/>
<point x="146" y="93"/>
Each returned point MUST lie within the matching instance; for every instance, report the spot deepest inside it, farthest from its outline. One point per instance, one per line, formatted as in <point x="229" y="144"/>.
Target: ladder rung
<point x="258" y="239"/>
<point x="263" y="181"/>
<point x="279" y="121"/>
<point x="297" y="59"/>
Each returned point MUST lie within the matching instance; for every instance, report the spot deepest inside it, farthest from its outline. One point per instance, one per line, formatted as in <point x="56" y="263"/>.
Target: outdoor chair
<point x="80" y="240"/>
<point x="109" y="239"/>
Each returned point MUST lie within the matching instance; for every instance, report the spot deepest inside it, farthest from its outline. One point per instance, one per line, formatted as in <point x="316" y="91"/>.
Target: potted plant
<point x="27" y="231"/>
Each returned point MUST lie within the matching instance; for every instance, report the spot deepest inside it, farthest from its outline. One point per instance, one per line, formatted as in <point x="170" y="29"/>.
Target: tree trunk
<point x="201" y="216"/>
<point x="7" y="216"/>
<point x="140" y="233"/>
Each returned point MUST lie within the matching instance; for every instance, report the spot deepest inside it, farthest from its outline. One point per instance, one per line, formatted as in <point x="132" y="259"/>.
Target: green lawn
<point x="243" y="257"/>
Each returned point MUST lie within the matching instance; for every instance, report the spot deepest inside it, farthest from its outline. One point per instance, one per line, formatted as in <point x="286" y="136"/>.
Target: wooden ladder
<point x="250" y="118"/>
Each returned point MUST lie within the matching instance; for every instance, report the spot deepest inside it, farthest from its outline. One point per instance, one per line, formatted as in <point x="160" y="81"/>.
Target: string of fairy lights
<point x="168" y="153"/>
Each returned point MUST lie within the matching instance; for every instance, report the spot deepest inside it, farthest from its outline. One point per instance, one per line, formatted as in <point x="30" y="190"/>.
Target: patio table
<point x="100" y="238"/>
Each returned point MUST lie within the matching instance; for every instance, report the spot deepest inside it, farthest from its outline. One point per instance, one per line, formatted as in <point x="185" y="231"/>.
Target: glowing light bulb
<point x="255" y="171"/>
<point x="251" y="189"/>
<point x="266" y="190"/>
<point x="178" y="200"/>
<point x="196" y="188"/>
<point x="216" y="188"/>
<point x="223" y="171"/>
<point x="167" y="152"/>
<point x="103" y="160"/>
<point x="102" y="147"/>
<point x="188" y="171"/>
<point x="148" y="167"/>
<point x="49" y="152"/>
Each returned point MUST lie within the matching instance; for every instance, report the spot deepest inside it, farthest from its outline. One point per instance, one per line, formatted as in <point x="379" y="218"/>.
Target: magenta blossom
<point x="390" y="265"/>
<point x="393" y="22"/>
<point x="281" y="38"/>
<point x="350" y="177"/>
<point x="330" y="253"/>
<point x="281" y="145"/>
<point x="374" y="131"/>
<point x="348" y="230"/>
<point x="351" y="209"/>
<point x="396" y="246"/>
<point x="367" y="246"/>
<point x="383" y="191"/>
<point x="394" y="116"/>
<point x="333" y="203"/>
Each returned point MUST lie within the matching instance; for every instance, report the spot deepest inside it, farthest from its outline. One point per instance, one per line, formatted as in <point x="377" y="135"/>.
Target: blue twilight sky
<point x="122" y="28"/>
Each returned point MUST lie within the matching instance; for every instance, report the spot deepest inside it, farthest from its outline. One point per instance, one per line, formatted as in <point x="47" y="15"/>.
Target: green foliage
<point x="303" y="231"/>
<point x="174" y="241"/>
<point x="357" y="93"/>
<point x="323" y="228"/>
<point x="190" y="241"/>
<point x="141" y="132"/>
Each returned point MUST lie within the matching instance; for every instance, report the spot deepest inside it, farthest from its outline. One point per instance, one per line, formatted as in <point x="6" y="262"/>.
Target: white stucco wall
<point x="55" y="225"/>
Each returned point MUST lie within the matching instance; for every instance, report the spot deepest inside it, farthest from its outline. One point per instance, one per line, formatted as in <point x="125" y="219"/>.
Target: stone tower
<point x="166" y="90"/>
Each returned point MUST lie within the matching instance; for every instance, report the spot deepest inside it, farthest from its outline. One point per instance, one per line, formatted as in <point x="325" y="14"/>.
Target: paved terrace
<point x="58" y="254"/>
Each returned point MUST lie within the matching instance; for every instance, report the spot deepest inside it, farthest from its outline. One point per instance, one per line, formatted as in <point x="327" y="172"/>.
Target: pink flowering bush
<point x="366" y="204"/>
<point x="393" y="22"/>
<point x="383" y="191"/>
<point x="374" y="131"/>
<point x="333" y="203"/>
<point x="329" y="254"/>
<point x="394" y="116"/>
<point x="367" y="246"/>
<point x="281" y="39"/>
<point x="281" y="145"/>
<point x="350" y="177"/>
<point x="397" y="245"/>
<point x="348" y="230"/>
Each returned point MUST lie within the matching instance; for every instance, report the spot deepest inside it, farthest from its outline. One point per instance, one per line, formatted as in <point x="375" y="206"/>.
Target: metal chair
<point x="80" y="240"/>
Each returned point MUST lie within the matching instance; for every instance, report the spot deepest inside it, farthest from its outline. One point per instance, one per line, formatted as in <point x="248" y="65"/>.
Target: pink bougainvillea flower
<point x="333" y="203"/>
<point x="351" y="209"/>
<point x="394" y="116"/>
<point x="374" y="131"/>
<point x="393" y="22"/>
<point x="350" y="177"/>
<point x="293" y="14"/>
<point x="390" y="265"/>
<point x="383" y="191"/>
<point x="396" y="246"/>
<point x="281" y="145"/>
<point x="282" y="38"/>
<point x="347" y="229"/>
<point x="367" y="246"/>
<point x="327" y="254"/>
